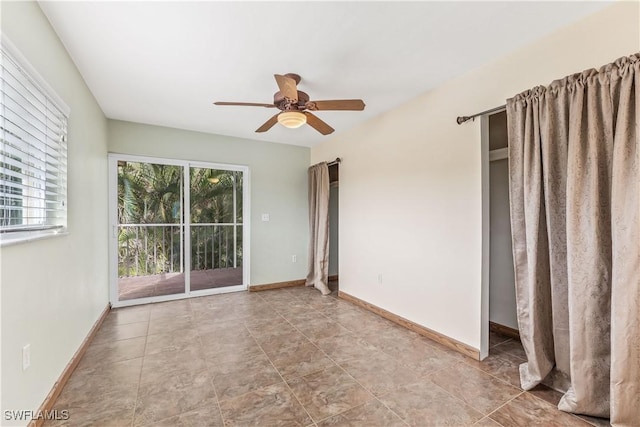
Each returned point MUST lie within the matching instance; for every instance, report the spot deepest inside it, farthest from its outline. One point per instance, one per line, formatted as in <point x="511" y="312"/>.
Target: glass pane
<point x="211" y="196"/>
<point x="149" y="193"/>
<point x="149" y="231"/>
<point x="213" y="213"/>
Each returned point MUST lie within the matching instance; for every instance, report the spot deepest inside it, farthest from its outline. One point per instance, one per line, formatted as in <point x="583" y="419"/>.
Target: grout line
<point x="208" y="371"/>
<point x="504" y="404"/>
<point x="144" y="355"/>
<point x="492" y="376"/>
<point x="283" y="380"/>
<point x="345" y="371"/>
<point x="336" y="363"/>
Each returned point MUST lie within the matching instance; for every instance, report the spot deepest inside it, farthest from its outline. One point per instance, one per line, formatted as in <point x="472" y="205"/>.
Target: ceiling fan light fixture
<point x="292" y="119"/>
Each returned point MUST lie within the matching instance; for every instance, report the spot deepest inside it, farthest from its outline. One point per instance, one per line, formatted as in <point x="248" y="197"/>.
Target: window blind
<point x="33" y="151"/>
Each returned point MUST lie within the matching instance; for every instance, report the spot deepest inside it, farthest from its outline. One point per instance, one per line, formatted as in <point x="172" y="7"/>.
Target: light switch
<point x="265" y="217"/>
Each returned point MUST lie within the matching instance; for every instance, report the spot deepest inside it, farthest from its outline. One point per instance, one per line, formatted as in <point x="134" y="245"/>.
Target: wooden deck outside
<point x="173" y="283"/>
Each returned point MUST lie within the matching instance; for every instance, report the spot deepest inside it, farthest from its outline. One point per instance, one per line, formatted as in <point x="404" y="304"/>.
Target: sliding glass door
<point x="177" y="229"/>
<point x="149" y="230"/>
<point x="216" y="228"/>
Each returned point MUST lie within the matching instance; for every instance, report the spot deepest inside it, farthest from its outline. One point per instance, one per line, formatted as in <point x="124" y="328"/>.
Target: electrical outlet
<point x="294" y="258"/>
<point x="26" y="357"/>
<point x="380" y="279"/>
<point x="265" y="217"/>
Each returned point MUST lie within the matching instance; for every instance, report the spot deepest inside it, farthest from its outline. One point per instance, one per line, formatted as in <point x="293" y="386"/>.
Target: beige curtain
<point x="319" y="228"/>
<point x="575" y="216"/>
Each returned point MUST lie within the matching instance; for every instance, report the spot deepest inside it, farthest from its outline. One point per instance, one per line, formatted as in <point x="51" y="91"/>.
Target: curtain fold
<point x="319" y="228"/>
<point x="575" y="218"/>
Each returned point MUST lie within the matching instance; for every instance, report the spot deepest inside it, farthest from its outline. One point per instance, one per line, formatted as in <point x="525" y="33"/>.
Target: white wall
<point x="410" y="179"/>
<point x="54" y="290"/>
<point x="278" y="187"/>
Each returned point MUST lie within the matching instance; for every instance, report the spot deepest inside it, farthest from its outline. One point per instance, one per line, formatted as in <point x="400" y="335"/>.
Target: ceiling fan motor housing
<point x="283" y="103"/>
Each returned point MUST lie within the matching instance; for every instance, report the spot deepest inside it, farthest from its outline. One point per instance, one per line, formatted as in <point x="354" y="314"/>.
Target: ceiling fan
<point x="296" y="107"/>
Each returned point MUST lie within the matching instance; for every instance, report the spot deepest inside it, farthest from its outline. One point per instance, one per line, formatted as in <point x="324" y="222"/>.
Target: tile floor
<point x="291" y="357"/>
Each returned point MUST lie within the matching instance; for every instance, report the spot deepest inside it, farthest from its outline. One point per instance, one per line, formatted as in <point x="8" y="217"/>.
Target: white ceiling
<point x="164" y="63"/>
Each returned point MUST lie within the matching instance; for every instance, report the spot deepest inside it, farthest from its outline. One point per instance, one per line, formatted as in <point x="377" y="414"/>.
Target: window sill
<point x="10" y="239"/>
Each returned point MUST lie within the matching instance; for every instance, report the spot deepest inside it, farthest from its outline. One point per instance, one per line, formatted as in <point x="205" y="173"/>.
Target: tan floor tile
<point x="477" y="389"/>
<point x="115" y="331"/>
<point x="547" y="394"/>
<point x="139" y="313"/>
<point x="228" y="327"/>
<point x="371" y="414"/>
<point x="170" y="362"/>
<point x="425" y="404"/>
<point x="237" y="333"/>
<point x="505" y="367"/>
<point x="528" y="410"/>
<point x="448" y="351"/>
<point x="305" y="317"/>
<point x="155" y="382"/>
<point x="166" y="324"/>
<point x="495" y="339"/>
<point x="208" y="416"/>
<point x="88" y="384"/>
<point x="317" y="329"/>
<point x="268" y="331"/>
<point x="172" y="402"/>
<point x="345" y="346"/>
<point x="240" y="377"/>
<point x="244" y="348"/>
<point x="360" y="321"/>
<point x="170" y="309"/>
<point x="511" y="347"/>
<point x="379" y="373"/>
<point x="268" y="316"/>
<point x="594" y="421"/>
<point x="298" y="358"/>
<point x="294" y="307"/>
<point x="172" y="341"/>
<point x="487" y="422"/>
<point x="390" y="337"/>
<point x="269" y="406"/>
<point x="112" y="409"/>
<point x="100" y="354"/>
<point x="276" y="344"/>
<point x="328" y="392"/>
<point x="277" y="297"/>
<point x="411" y="350"/>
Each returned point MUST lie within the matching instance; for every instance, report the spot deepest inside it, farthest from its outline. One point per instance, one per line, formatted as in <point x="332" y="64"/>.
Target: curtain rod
<point x="461" y="119"/>
<point x="335" y="162"/>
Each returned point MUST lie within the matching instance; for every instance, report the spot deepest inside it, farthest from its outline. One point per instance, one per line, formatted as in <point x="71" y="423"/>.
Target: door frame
<point x="113" y="159"/>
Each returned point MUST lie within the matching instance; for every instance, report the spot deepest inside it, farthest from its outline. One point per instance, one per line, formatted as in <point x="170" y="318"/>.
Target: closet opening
<point x="503" y="337"/>
<point x="333" y="226"/>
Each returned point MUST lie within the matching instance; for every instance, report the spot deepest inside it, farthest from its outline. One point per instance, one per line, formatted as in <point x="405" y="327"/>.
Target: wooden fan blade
<point x="315" y="122"/>
<point x="287" y="86"/>
<point x="245" y="104"/>
<point x="268" y="124"/>
<point x="336" y="104"/>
